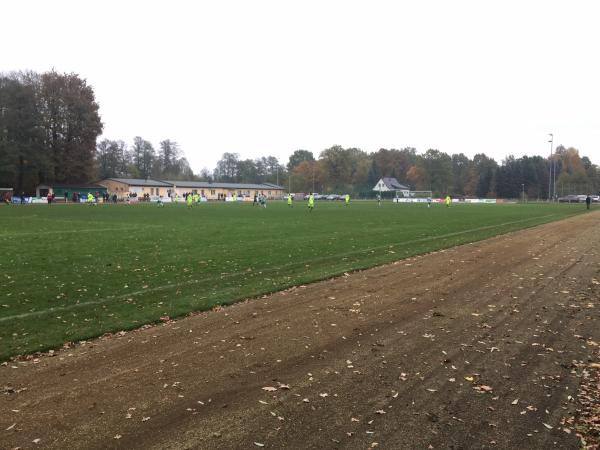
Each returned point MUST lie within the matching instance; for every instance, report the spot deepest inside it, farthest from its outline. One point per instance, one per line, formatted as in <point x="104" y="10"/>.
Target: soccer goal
<point x="420" y="194"/>
<point x="413" y="197"/>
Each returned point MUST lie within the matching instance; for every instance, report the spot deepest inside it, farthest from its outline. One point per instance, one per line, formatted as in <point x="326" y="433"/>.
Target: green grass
<point x="72" y="272"/>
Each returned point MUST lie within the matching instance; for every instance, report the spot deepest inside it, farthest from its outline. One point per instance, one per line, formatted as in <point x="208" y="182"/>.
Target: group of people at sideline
<point x="192" y="198"/>
<point x="259" y="200"/>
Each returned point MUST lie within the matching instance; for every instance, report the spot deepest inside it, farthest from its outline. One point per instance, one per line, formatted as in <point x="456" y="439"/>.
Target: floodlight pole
<point x="551" y="167"/>
<point x="523" y="190"/>
<point x="554" y="177"/>
<point x="313" y="167"/>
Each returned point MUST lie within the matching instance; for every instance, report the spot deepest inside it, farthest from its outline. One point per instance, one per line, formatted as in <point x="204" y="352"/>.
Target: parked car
<point x="317" y="196"/>
<point x="573" y="198"/>
<point x="569" y="199"/>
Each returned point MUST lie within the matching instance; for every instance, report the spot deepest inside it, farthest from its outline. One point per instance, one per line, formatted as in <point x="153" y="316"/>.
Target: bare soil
<point x="480" y="346"/>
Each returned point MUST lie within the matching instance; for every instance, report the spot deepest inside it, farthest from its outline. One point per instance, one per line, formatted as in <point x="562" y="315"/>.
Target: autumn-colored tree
<point x="71" y="124"/>
<point x="299" y="156"/>
<point x="346" y="170"/>
<point x="571" y="173"/>
<point x="308" y="176"/>
<point x="460" y="171"/>
<point x="49" y="124"/>
<point x="416" y="177"/>
<point x="23" y="159"/>
<point x="391" y="163"/>
<point x="437" y="170"/>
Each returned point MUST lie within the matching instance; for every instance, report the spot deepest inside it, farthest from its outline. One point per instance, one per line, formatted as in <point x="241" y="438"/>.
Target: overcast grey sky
<point x="268" y="77"/>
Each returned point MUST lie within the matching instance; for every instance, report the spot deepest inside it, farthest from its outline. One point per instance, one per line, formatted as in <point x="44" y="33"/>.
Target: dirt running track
<point x="480" y="346"/>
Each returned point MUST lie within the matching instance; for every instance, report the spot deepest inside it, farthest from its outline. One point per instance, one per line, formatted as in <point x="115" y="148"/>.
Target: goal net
<point x="420" y="194"/>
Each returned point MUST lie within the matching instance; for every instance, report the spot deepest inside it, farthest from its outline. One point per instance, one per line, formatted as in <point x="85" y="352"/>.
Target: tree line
<point x="114" y="158"/>
<point x="50" y="124"/>
<point x="353" y="170"/>
<point x="49" y="127"/>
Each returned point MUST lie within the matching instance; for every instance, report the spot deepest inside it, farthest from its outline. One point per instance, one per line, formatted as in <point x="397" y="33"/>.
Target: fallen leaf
<point x="483" y="388"/>
<point x="269" y="388"/>
<point x="11" y="427"/>
<point x="514" y="402"/>
<point x="547" y="426"/>
<point x="258" y="444"/>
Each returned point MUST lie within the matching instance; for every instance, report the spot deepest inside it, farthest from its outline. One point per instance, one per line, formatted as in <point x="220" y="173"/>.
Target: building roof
<point x="274" y="186"/>
<point x="71" y="186"/>
<point x="142" y="182"/>
<point x="208" y="185"/>
<point x="393" y="185"/>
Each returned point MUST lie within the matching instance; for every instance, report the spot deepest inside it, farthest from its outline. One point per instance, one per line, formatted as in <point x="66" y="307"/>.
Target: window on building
<point x="212" y="192"/>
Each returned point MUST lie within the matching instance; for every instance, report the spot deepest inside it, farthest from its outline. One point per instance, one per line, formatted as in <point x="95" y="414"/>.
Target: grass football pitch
<point x="71" y="272"/>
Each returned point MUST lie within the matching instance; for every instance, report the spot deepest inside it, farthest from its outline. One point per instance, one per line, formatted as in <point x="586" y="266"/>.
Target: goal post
<point x="420" y="194"/>
<point x="413" y="196"/>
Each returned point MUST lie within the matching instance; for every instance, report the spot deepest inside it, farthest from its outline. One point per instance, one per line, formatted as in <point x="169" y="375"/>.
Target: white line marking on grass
<point x="263" y="271"/>
<point x="79" y="221"/>
<point x="79" y="230"/>
<point x="19" y="217"/>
